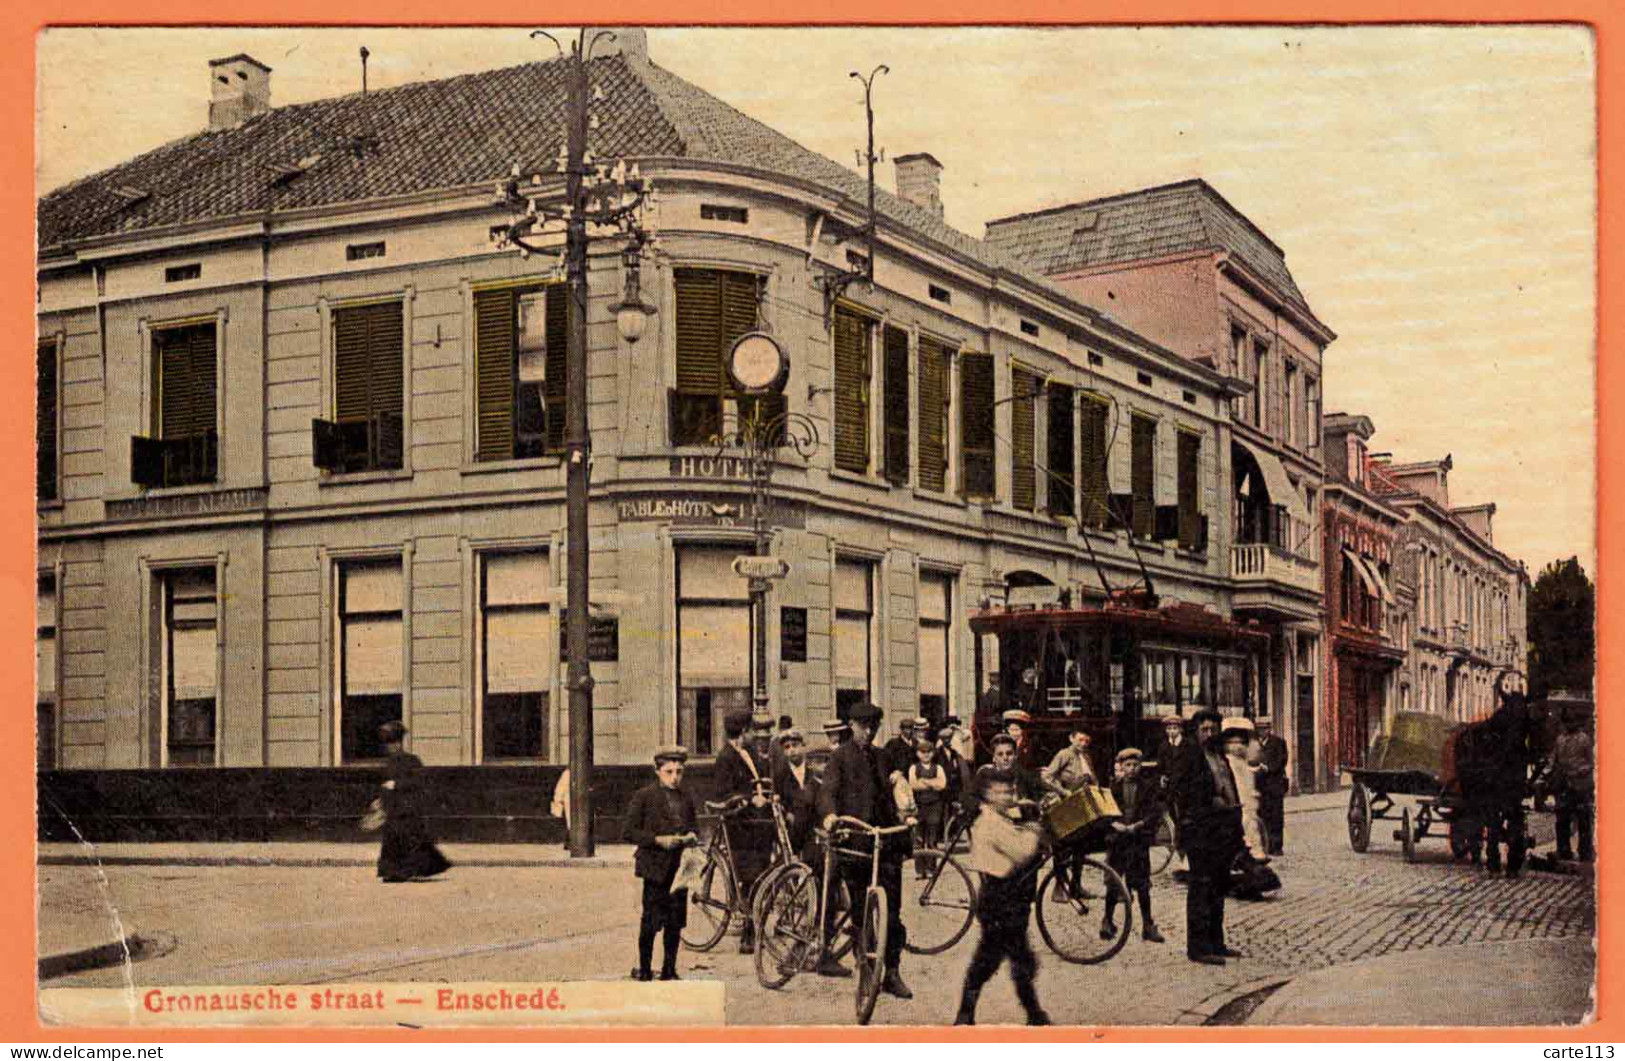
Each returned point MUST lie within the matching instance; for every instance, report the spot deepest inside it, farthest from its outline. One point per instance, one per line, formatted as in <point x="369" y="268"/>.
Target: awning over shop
<point x="1382" y="583"/>
<point x="1280" y="487"/>
<point x="1366" y="574"/>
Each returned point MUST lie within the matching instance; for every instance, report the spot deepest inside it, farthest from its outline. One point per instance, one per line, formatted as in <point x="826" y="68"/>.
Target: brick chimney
<point x="239" y="89"/>
<point x="919" y="180"/>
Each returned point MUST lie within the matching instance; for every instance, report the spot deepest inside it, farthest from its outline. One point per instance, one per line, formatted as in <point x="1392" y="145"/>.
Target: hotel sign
<point x="691" y="510"/>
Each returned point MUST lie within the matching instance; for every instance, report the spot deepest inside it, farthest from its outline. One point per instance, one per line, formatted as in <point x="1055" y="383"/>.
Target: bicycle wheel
<point x="1165" y="844"/>
<point x="786" y="924"/>
<point x="843" y="930"/>
<point x="710" y="905"/>
<point x="939" y="908"/>
<point x="871" y="953"/>
<point x="1072" y="914"/>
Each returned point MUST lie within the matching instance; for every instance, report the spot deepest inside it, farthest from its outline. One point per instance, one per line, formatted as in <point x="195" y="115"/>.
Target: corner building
<point x="300" y="424"/>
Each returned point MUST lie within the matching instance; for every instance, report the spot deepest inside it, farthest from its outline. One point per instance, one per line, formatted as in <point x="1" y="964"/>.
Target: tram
<point x="1119" y="666"/>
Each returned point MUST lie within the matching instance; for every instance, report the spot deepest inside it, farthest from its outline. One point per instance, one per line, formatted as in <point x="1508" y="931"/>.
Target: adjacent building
<point x="301" y="420"/>
<point x="1183" y="266"/>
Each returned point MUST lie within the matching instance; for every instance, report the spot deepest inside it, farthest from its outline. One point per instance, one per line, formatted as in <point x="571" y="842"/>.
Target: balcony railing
<point x="1266" y="563"/>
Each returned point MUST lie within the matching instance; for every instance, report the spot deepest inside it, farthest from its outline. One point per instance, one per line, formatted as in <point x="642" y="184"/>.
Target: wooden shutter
<point x="853" y="339"/>
<point x="495" y="343"/>
<point x="976" y="476"/>
<point x="1092" y="478"/>
<point x="1190" y="452"/>
<point x="558" y="361"/>
<point x="368" y="361"/>
<point x="738" y="295"/>
<point x="933" y="445"/>
<point x="714" y="308"/>
<point x="185" y="362"/>
<point x="45" y="417"/>
<point x="1144" y="461"/>
<point x="896" y="399"/>
<point x="1024" y="395"/>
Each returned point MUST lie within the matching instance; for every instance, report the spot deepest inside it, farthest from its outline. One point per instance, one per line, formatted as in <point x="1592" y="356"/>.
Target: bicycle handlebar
<point x="732" y="803"/>
<point x="859" y="825"/>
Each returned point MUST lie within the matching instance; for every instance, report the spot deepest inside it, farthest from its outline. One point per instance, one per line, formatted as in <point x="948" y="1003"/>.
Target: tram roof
<point x="1179" y="621"/>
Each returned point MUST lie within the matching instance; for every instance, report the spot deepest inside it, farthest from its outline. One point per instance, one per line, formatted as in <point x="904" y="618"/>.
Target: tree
<point x="1562" y="629"/>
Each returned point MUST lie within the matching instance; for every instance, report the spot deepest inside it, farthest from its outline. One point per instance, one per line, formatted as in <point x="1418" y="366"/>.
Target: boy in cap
<point x="1006" y="853"/>
<point x="855" y="785"/>
<point x="898" y="754"/>
<point x="1130" y="850"/>
<point x="661" y="821"/>
<point x="928" y="780"/>
<point x="796" y="787"/>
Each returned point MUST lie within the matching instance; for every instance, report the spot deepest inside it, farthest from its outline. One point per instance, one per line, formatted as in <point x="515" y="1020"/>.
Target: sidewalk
<point x="86" y="929"/>
<point x="1478" y="984"/>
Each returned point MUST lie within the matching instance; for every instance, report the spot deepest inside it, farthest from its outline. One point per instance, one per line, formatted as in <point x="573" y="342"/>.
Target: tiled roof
<point x="1141" y="225"/>
<point x="455" y="132"/>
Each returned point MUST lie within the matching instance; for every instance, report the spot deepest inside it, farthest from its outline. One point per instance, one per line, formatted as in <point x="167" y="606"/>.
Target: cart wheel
<point x="871" y="953"/>
<point x="710" y="905"/>
<point x="1407" y="839"/>
<point x="1359" y="818"/>
<point x="786" y="925"/>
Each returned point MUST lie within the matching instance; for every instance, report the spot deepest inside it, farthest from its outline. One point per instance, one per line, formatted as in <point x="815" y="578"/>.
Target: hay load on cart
<point x="1412" y="758"/>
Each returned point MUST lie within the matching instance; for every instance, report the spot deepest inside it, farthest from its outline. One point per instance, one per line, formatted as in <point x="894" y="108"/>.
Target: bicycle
<point x="1166" y="843"/>
<point x="946" y="898"/>
<point x="795" y="917"/>
<point x="1076" y="885"/>
<point x="717" y="896"/>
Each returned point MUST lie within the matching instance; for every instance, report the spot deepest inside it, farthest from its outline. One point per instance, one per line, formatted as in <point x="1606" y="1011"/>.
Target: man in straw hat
<point x="661" y="821"/>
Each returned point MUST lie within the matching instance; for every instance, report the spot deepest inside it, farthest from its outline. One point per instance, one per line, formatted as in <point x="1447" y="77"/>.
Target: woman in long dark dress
<point x="408" y="850"/>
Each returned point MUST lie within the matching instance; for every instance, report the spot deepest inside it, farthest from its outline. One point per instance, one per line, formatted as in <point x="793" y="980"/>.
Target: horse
<point x="1487" y="772"/>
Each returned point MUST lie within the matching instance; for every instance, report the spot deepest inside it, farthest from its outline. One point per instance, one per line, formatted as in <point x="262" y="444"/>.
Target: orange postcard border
<point x="19" y="1020"/>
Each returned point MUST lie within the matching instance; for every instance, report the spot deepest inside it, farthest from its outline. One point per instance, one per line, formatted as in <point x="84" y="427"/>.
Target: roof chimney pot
<point x="239" y="89"/>
<point x="919" y="180"/>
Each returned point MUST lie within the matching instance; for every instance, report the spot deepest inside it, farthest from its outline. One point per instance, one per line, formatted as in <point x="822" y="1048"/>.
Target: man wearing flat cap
<point x="740" y="771"/>
<point x="899" y="751"/>
<point x="1210" y="823"/>
<point x="855" y="785"/>
<point x="796" y="787"/>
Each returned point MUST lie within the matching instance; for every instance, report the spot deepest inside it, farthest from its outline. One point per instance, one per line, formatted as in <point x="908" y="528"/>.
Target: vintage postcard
<point x="816" y="526"/>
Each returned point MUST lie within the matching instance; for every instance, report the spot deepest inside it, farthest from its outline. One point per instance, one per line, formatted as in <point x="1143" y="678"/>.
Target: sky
<point x="1434" y="188"/>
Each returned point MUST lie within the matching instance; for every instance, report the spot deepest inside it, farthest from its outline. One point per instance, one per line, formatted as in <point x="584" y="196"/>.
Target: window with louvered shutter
<point x="369" y="384"/>
<point x="1190" y="529"/>
<point x="896" y="401"/>
<point x="519" y="363"/>
<point x="1143" y="459"/>
<point x="1060" y="477"/>
<point x="183" y="366"/>
<point x="1024" y="395"/>
<point x="714" y="308"/>
<point x="933" y="445"/>
<point x="853" y="343"/>
<point x="1092" y="465"/>
<point x="976" y="476"/>
<point x="45" y="421"/>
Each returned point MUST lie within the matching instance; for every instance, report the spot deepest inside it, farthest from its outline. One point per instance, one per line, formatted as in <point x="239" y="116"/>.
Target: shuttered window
<point x="896" y="398"/>
<point x="713" y="645"/>
<point x="714" y="308"/>
<point x="1190" y="519"/>
<point x="1025" y="391"/>
<point x="1058" y="460"/>
<point x="851" y="636"/>
<point x="1092" y="463"/>
<point x="1261" y="384"/>
<point x="976" y="475"/>
<point x="1143" y="458"/>
<point x="520" y="338"/>
<point x="854" y="339"/>
<point x="368" y="429"/>
<point x="933" y="445"/>
<point x="45" y="421"/>
<point x="182" y="447"/>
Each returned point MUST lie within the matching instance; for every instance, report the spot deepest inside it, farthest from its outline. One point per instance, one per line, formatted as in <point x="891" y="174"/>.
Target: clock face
<point x="757" y="363"/>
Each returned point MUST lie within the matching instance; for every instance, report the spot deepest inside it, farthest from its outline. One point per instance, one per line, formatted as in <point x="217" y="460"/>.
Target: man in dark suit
<point x="750" y="831"/>
<point x="1272" y="784"/>
<point x="1210" y="822"/>
<point x="899" y="751"/>
<point x="1176" y="749"/>
<point x="855" y="786"/>
<point x="797" y="788"/>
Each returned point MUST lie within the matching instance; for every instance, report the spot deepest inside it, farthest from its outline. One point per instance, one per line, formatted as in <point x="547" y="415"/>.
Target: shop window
<point x="520" y="335"/>
<point x="190" y="658"/>
<point x="367" y="432"/>
<point x="714" y="638"/>
<point x="182" y="447"/>
<point x="370" y="662"/>
<point x="45" y="655"/>
<point x="517" y="655"/>
<point x="936" y="612"/>
<point x="854" y="622"/>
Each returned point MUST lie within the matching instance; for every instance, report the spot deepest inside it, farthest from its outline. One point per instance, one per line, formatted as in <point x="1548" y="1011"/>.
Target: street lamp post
<point x="603" y="197"/>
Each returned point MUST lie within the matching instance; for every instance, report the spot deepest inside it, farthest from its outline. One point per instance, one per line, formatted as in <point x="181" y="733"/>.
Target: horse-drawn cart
<point x="1409" y="760"/>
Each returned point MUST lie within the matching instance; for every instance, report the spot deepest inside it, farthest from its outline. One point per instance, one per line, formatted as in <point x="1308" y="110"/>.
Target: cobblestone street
<point x="314" y="924"/>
